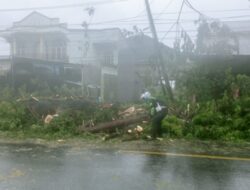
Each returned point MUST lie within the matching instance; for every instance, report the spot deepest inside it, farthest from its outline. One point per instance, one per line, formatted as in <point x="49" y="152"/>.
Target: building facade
<point x="111" y="67"/>
<point x="40" y="37"/>
<point x="241" y="29"/>
<point x="226" y="38"/>
<point x="5" y="65"/>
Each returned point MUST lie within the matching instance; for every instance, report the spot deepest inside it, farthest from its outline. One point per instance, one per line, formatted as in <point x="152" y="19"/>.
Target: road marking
<point x="187" y="155"/>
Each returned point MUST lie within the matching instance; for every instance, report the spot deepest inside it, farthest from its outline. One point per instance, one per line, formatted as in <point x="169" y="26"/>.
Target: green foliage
<point x="63" y="124"/>
<point x="226" y="117"/>
<point x="6" y="93"/>
<point x="68" y="122"/>
<point x="211" y="81"/>
<point x="229" y="121"/>
<point x="206" y="119"/>
<point x="199" y="84"/>
<point x="38" y="86"/>
<point x="219" y="107"/>
<point x="14" y="116"/>
<point x="66" y="90"/>
<point x="226" y="105"/>
<point x="234" y="135"/>
<point x="243" y="83"/>
<point x="243" y="106"/>
<point x="104" y="115"/>
<point x="173" y="126"/>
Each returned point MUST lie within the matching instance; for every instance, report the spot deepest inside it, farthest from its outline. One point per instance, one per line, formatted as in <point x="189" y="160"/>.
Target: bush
<point x="243" y="82"/>
<point x="14" y="116"/>
<point x="104" y="115"/>
<point x="173" y="126"/>
<point x="244" y="107"/>
<point x="200" y="132"/>
<point x="230" y="121"/>
<point x="68" y="121"/>
<point x="234" y="135"/>
<point x="207" y="119"/>
<point x="226" y="105"/>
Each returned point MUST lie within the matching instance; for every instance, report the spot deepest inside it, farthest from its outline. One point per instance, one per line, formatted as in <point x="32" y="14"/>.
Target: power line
<point x="226" y="10"/>
<point x="177" y="21"/>
<point x="124" y="21"/>
<point x="63" y="6"/>
<point x="141" y="22"/>
<point x="192" y="7"/>
<point x="179" y="15"/>
<point x="165" y="8"/>
<point x="132" y="19"/>
<point x="205" y="11"/>
<point x="110" y="2"/>
<point x="239" y="16"/>
<point x="158" y="21"/>
<point x="166" y="33"/>
<point x="144" y="10"/>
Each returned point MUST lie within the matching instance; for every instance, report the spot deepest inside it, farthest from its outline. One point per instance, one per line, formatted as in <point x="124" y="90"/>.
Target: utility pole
<point x="161" y="66"/>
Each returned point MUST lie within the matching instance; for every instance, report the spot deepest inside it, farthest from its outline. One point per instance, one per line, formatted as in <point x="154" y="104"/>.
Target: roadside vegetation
<point x="213" y="106"/>
<point x="208" y="106"/>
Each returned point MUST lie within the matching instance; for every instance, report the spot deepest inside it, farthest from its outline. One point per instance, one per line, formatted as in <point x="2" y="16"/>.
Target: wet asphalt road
<point x="29" y="167"/>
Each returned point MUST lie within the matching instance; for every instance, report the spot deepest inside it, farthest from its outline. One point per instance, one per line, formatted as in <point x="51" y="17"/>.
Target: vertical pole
<point x="12" y="72"/>
<point x="82" y="80"/>
<point x="13" y="54"/>
<point x="159" y="55"/>
<point x="41" y="47"/>
<point x="14" y="48"/>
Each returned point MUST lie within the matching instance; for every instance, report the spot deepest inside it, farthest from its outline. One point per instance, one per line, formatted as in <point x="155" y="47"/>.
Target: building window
<point x="108" y="58"/>
<point x="53" y="55"/>
<point x="58" y="53"/>
<point x="64" y="52"/>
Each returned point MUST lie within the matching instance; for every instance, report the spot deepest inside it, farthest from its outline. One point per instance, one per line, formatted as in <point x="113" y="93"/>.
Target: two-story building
<point x="38" y="37"/>
<point x="97" y="60"/>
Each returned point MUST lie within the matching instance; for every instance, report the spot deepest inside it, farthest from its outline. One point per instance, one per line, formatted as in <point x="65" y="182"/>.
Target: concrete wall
<point x="109" y="83"/>
<point x="244" y="44"/>
<point x="5" y="65"/>
<point x="81" y="48"/>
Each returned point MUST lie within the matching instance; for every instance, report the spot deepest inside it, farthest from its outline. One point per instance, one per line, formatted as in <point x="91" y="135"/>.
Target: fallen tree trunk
<point x="113" y="124"/>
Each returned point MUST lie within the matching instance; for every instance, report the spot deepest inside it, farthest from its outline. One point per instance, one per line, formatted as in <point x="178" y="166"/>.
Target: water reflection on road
<point x="30" y="167"/>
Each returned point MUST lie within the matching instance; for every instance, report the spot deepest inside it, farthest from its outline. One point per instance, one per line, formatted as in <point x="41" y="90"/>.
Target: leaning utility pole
<point x="161" y="66"/>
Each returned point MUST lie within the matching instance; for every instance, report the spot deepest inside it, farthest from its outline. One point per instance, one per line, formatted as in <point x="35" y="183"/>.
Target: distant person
<point x="146" y="95"/>
<point x="158" y="111"/>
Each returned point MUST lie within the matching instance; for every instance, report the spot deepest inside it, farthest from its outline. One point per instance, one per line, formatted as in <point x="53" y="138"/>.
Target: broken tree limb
<point x="113" y="124"/>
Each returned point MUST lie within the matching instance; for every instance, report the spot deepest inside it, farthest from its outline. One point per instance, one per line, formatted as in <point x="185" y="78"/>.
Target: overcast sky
<point x="130" y="8"/>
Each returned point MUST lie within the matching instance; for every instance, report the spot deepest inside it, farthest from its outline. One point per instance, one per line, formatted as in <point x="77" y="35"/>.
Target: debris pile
<point x="49" y="118"/>
<point x="131" y="111"/>
<point x="99" y="117"/>
<point x="126" y="117"/>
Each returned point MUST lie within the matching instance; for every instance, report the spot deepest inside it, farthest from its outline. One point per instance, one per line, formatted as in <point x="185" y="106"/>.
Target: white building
<point x="39" y="37"/>
<point x="241" y="30"/>
<point x="5" y="65"/>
